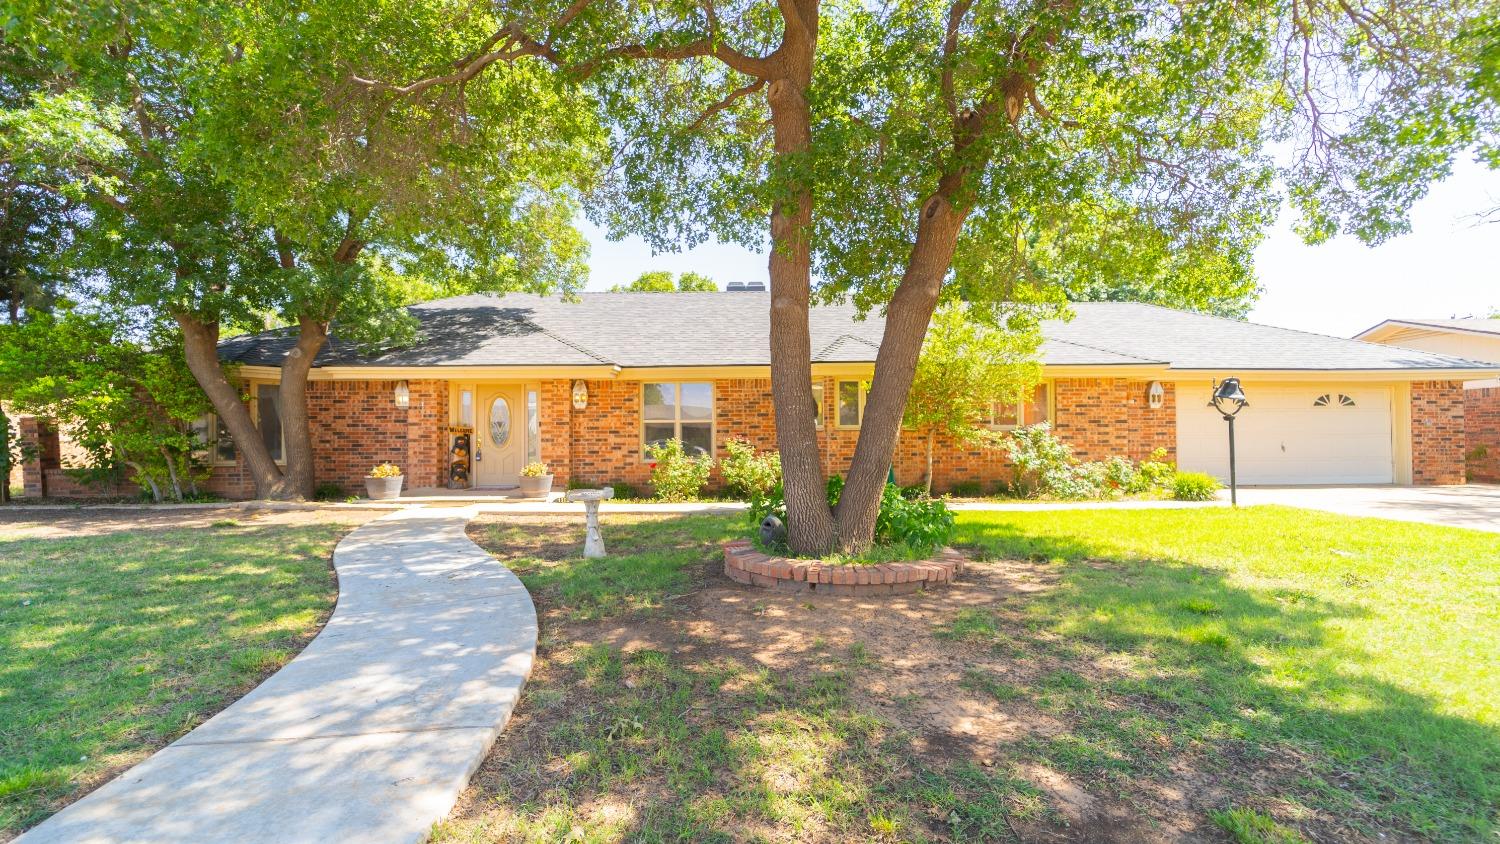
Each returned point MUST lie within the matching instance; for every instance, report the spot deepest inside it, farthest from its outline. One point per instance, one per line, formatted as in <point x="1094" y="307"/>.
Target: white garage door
<point x="1291" y="434"/>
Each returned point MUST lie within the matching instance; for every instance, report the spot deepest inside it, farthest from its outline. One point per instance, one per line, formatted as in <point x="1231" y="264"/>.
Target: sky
<point x="1446" y="266"/>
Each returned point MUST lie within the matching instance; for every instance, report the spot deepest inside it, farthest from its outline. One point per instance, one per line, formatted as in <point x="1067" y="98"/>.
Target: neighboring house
<point x="1475" y="339"/>
<point x="584" y="385"/>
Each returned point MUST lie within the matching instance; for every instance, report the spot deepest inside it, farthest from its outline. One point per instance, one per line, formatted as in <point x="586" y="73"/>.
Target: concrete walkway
<point x="370" y="734"/>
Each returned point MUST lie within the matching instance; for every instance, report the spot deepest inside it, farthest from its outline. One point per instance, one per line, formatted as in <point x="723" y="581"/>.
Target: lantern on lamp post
<point x="1229" y="400"/>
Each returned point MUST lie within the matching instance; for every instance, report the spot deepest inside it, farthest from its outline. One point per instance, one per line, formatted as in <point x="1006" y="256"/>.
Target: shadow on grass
<point x="1157" y="669"/>
<point x="1264" y="679"/>
<point x="115" y="645"/>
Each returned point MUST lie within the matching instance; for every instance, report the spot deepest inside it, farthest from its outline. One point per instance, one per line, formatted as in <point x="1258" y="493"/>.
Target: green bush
<point x="328" y="491"/>
<point x="966" y="489"/>
<point x="1154" y="473"/>
<point x="1044" y="465"/>
<point x="747" y="474"/>
<point x="624" y="490"/>
<point x="922" y="524"/>
<point x="674" y="475"/>
<point x="1120" y="475"/>
<point x="1195" y="486"/>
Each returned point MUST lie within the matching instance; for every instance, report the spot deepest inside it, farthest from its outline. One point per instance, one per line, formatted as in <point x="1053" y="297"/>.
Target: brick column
<point x="555" y="420"/>
<point x="43" y="453"/>
<point x="1482" y="434"/>
<point x="1437" y="433"/>
<point x="426" y="441"/>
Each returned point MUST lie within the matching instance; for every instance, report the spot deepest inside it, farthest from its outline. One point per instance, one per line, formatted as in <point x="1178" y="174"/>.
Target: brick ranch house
<point x="1475" y="339"/>
<point x="584" y="385"/>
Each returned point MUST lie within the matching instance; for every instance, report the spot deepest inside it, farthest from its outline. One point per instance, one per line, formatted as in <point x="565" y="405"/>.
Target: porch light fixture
<point x="403" y="394"/>
<point x="1155" y="395"/>
<point x="580" y="395"/>
<point x="1229" y="400"/>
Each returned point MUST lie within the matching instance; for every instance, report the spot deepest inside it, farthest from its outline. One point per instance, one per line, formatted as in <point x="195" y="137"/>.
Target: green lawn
<point x="115" y="645"/>
<point x="1370" y="648"/>
<point x="1293" y="675"/>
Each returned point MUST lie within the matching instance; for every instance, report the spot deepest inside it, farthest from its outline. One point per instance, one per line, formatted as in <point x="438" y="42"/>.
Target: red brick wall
<point x="356" y="425"/>
<point x="601" y="444"/>
<point x="1482" y="432"/>
<point x="1437" y="432"/>
<point x="45" y="473"/>
<point x="1109" y="417"/>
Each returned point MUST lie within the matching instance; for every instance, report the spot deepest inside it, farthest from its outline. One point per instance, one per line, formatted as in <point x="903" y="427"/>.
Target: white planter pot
<point x="538" y="487"/>
<point x="384" y="489"/>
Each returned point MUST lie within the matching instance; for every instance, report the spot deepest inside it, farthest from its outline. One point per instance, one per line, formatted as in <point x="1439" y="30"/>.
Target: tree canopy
<point x="922" y="150"/>
<point x="660" y="281"/>
<point x="234" y="175"/>
<point x="967" y="368"/>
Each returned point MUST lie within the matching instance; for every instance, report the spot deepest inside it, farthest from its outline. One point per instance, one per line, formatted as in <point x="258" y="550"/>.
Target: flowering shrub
<point x="1045" y="466"/>
<point x="534" y="470"/>
<point x="386" y="470"/>
<point x="674" y="475"/>
<point x="747" y="474"/>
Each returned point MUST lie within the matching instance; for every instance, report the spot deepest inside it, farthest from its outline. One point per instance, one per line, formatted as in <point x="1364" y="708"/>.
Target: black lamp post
<point x="1229" y="399"/>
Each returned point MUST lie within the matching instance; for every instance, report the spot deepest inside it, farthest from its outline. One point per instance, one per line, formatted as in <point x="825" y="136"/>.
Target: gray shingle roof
<point x="726" y="329"/>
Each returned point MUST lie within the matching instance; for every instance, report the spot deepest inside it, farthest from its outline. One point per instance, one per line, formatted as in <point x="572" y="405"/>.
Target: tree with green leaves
<point x="910" y="152"/>
<point x="234" y="173"/>
<point x="967" y="368"/>
<point x="130" y="405"/>
<point x="660" y="281"/>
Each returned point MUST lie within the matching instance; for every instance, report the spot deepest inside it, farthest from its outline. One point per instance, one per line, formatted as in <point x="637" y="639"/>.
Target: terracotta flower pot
<point x="384" y="489"/>
<point x="537" y="487"/>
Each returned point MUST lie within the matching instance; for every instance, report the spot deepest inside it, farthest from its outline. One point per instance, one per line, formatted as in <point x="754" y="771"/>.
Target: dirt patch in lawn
<point x="27" y="523"/>
<point x="741" y="714"/>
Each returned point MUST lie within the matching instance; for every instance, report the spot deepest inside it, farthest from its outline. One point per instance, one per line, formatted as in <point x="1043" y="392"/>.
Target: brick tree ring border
<point x="744" y="564"/>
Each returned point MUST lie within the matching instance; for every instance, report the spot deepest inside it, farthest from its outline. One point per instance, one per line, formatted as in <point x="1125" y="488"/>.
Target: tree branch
<point x="729" y="99"/>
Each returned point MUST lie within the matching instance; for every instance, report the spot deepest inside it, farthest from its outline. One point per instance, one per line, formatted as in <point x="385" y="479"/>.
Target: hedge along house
<point x="584" y="385"/>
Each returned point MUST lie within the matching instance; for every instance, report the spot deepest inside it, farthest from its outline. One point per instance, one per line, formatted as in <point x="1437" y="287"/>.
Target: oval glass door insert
<point x="500" y="421"/>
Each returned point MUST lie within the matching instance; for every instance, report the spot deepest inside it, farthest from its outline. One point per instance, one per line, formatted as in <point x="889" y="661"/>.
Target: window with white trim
<point x="212" y="442"/>
<point x="1032" y="411"/>
<point x="817" y="390"/>
<point x="850" y="403"/>
<point x="681" y="410"/>
<point x="268" y="419"/>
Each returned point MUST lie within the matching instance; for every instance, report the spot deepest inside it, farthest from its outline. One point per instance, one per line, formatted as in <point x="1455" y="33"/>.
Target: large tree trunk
<point x="200" y="342"/>
<point x="295" y="429"/>
<point x="810" y="525"/>
<point x="906" y="323"/>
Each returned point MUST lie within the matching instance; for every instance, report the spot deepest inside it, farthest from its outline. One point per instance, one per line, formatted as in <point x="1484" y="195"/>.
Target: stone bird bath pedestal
<point x="593" y="541"/>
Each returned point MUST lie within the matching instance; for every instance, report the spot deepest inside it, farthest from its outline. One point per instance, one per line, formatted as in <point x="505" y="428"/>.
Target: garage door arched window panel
<point x="1328" y="400"/>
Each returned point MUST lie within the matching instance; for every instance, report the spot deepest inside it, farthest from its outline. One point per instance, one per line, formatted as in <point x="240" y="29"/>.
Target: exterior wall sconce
<point x="1155" y="395"/>
<point x="403" y="395"/>
<point x="580" y="395"/>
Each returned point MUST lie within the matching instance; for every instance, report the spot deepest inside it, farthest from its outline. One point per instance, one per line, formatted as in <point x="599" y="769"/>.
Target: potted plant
<point x="536" y="481"/>
<point x="384" y="482"/>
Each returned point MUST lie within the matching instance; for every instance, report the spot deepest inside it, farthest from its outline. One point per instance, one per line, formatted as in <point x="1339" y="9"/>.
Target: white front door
<point x="500" y="441"/>
<point x="1291" y="434"/>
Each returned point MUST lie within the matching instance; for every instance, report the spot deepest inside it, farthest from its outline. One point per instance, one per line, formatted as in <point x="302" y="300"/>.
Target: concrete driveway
<point x="1471" y="506"/>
